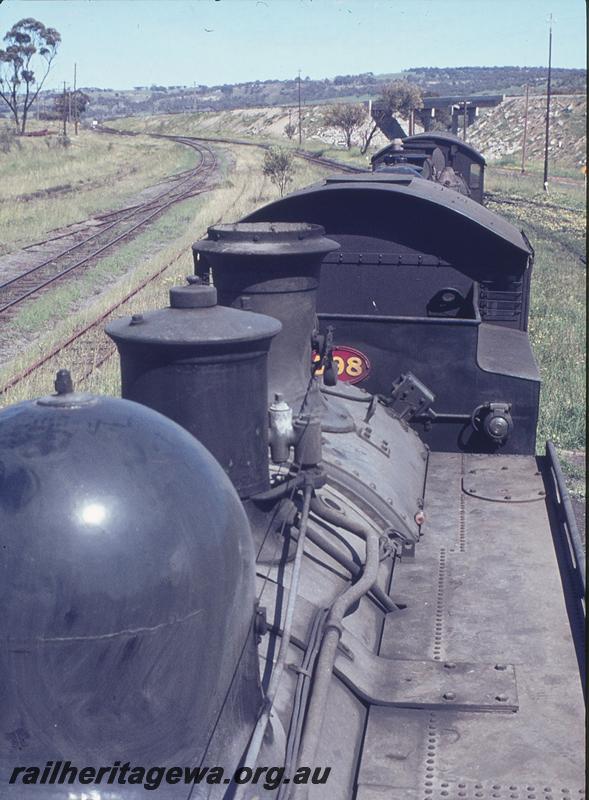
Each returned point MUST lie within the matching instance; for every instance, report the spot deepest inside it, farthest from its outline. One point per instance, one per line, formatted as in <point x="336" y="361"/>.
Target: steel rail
<point x="92" y="255"/>
<point x="102" y="216"/>
<point x="155" y="206"/>
<point x="299" y="153"/>
<point x="15" y="380"/>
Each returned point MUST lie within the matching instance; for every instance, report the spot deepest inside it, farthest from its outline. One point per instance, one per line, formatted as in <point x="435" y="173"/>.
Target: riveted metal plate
<point x="484" y="586"/>
<point x="502" y="479"/>
<point x="432" y="685"/>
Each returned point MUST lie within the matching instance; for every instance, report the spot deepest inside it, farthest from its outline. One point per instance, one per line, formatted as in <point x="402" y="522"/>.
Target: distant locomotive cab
<point x="439" y="157"/>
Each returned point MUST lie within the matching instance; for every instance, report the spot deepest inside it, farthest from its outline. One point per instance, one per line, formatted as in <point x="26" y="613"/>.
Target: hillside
<point x="498" y="133"/>
<point x="157" y="99"/>
<point x="496" y="80"/>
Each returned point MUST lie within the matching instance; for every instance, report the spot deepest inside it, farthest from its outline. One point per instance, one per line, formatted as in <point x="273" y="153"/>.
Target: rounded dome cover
<point x="126" y="584"/>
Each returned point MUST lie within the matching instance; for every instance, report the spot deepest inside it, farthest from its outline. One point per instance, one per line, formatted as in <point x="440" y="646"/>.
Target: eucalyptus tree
<point x="25" y="62"/>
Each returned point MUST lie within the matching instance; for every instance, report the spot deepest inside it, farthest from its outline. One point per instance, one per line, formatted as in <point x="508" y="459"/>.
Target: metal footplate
<point x="430" y="685"/>
<point x="401" y="683"/>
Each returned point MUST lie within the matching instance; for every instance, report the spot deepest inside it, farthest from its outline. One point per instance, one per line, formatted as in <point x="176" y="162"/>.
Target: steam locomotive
<point x="311" y="553"/>
<point x="437" y="156"/>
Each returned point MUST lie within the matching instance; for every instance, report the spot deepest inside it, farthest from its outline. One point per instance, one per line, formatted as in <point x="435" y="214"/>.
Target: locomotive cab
<point x="441" y="152"/>
<point x="430" y="282"/>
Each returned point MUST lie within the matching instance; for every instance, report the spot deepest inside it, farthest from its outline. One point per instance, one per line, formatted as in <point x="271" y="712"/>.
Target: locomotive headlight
<point x="497" y="427"/>
<point x="494" y="420"/>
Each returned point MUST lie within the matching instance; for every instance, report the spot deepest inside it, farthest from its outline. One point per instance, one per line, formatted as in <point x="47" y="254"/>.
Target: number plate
<point x="352" y="365"/>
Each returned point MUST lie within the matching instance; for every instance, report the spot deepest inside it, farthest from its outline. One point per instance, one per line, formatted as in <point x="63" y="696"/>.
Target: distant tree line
<point x="430" y="81"/>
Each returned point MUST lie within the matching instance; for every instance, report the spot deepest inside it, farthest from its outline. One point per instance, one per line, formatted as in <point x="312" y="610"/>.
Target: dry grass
<point x="245" y="189"/>
<point x="47" y="186"/>
<point x="257" y="128"/>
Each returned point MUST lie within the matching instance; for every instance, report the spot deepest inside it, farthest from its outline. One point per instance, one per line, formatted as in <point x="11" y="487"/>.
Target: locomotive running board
<point x="430" y="685"/>
<point x="484" y="585"/>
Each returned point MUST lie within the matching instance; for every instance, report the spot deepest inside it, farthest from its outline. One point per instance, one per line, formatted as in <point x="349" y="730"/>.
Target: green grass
<point x="59" y="302"/>
<point x="46" y="186"/>
<point x="536" y="168"/>
<point x="558" y="306"/>
<point x="43" y="324"/>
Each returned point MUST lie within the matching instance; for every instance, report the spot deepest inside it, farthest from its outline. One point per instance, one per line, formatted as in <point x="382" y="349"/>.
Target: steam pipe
<point x="260" y="729"/>
<point x="333" y="631"/>
<point x="344" y="396"/>
<point x="340" y="520"/>
<point x="354" y="569"/>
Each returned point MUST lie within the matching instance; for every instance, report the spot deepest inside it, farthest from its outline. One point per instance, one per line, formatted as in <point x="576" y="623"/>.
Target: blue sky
<point x="125" y="43"/>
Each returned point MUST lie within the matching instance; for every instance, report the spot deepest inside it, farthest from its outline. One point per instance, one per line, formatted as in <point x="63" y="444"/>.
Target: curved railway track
<point x="114" y="228"/>
<point x="306" y="155"/>
<point x="84" y="346"/>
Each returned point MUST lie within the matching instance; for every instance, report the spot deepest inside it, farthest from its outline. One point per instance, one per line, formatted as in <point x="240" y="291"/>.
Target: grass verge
<point x="47" y="186"/>
<point x="167" y="243"/>
<point x="231" y="124"/>
<point x="555" y="225"/>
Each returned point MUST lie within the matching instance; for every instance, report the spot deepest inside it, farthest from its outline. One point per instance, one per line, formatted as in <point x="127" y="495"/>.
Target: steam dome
<point x="127" y="589"/>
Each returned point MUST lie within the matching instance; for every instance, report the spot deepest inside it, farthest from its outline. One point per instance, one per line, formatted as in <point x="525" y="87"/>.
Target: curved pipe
<point x="344" y="396"/>
<point x="354" y="569"/>
<point x="333" y="631"/>
<point x="281" y="489"/>
<point x="340" y="520"/>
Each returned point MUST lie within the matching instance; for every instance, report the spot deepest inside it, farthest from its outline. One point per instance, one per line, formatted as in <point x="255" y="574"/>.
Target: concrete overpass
<point x="463" y="110"/>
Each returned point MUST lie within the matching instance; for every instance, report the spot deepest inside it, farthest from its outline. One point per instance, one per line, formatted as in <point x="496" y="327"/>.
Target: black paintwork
<point x="205" y="368"/>
<point x="127" y="592"/>
<point x="403" y="241"/>
<point x="464" y="159"/>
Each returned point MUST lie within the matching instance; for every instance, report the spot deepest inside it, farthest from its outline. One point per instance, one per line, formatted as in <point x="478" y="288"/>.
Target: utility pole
<point x="525" y="129"/>
<point x="64" y="111"/>
<point x="75" y="102"/>
<point x="548" y="107"/>
<point x="464" y="121"/>
<point x="300" y="123"/>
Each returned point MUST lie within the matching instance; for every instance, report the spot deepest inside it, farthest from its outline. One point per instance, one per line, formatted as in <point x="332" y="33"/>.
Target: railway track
<point x="117" y="226"/>
<point x="306" y="155"/>
<point x="552" y="179"/>
<point x="500" y="199"/>
<point x="114" y="227"/>
<point x="87" y="348"/>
